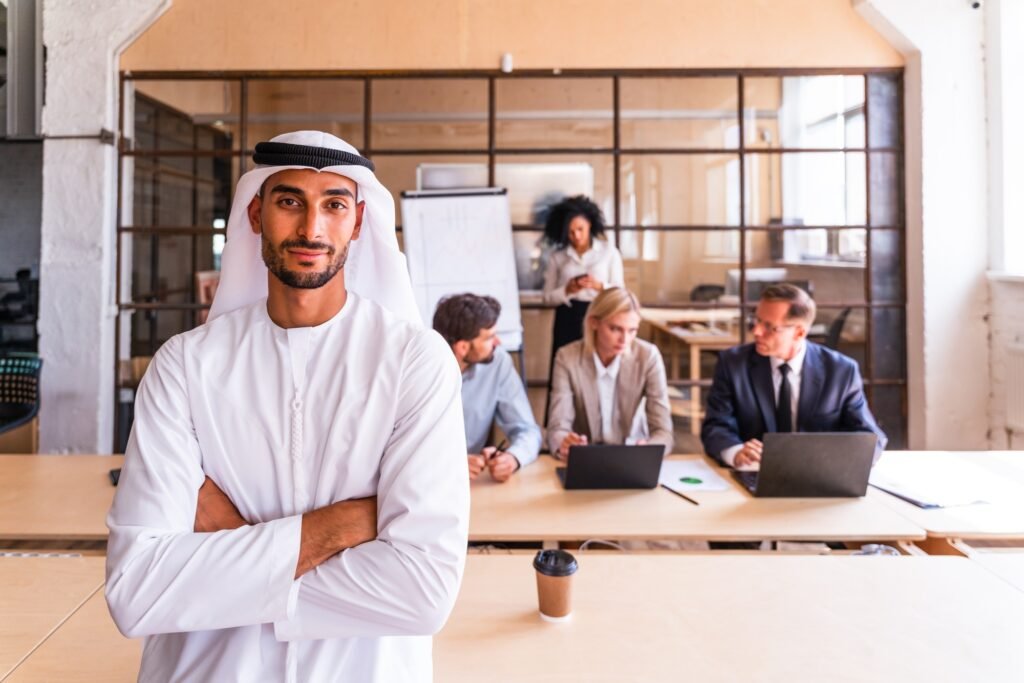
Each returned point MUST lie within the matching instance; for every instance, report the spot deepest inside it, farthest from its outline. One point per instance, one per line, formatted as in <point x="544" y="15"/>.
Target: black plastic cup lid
<point x="555" y="563"/>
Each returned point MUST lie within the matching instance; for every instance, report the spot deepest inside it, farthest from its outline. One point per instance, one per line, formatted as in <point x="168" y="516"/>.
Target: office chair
<point x="835" y="329"/>
<point x="706" y="292"/>
<point x="19" y="389"/>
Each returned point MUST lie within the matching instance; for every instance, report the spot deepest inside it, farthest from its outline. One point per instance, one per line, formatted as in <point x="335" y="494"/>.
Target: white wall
<point x="76" y="318"/>
<point x="947" y="216"/>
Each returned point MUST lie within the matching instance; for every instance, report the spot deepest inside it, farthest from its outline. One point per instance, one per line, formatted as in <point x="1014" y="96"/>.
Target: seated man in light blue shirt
<point x="491" y="387"/>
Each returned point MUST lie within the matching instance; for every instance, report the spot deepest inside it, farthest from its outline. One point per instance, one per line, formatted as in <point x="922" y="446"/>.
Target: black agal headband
<point x="286" y="154"/>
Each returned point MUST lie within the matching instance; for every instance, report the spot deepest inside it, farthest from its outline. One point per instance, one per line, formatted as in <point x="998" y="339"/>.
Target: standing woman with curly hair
<point x="582" y="265"/>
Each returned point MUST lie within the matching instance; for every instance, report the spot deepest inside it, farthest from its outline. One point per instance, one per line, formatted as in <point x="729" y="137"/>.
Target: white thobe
<point x="286" y="421"/>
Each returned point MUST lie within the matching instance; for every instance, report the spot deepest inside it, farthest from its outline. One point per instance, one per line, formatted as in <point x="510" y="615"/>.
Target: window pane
<point x="679" y="267"/>
<point x="811" y="188"/>
<point x="283" y="105"/>
<point x="886" y="266"/>
<point x="176" y="191"/>
<point x="553" y="113"/>
<point x="684" y="189"/>
<point x="429" y="113"/>
<point x="531" y="258"/>
<point x="888" y="405"/>
<point x="886" y="117"/>
<point x="888" y="337"/>
<point x="536" y="181"/>
<point x="401" y="173"/>
<point x="828" y="280"/>
<point x="886" y="190"/>
<point x="168" y="113"/>
<point x="678" y="112"/>
<point x="803" y="111"/>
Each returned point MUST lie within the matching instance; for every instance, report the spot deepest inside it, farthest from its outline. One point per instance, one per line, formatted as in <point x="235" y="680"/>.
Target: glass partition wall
<point x="713" y="183"/>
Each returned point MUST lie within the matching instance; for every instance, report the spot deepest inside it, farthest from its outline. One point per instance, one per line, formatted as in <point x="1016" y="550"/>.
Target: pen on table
<point x="681" y="495"/>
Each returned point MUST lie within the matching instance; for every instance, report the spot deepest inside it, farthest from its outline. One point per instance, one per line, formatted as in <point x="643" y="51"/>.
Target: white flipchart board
<point x="461" y="241"/>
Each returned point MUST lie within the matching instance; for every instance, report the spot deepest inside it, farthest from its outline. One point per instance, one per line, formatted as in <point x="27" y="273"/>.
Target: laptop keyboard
<point x="746" y="478"/>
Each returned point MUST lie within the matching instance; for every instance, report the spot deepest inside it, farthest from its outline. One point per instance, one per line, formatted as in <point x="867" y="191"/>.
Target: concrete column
<point x="947" y="215"/>
<point x="83" y="41"/>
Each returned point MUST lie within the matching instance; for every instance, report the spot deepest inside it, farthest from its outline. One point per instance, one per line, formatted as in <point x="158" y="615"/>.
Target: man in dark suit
<point x="782" y="382"/>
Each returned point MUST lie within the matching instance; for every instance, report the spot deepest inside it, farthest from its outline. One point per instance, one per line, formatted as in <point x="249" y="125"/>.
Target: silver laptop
<point x="812" y="465"/>
<point x="612" y="467"/>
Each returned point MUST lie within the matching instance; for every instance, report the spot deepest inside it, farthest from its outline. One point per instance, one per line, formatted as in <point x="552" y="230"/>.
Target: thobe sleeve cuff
<point x="282" y="588"/>
<point x="729" y="454"/>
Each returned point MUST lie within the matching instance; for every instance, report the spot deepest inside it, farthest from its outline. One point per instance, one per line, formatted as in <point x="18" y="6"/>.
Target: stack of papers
<point x="690" y="475"/>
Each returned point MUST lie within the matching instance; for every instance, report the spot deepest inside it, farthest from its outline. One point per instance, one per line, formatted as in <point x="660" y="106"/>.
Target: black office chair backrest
<point x="19" y="389"/>
<point x="706" y="292"/>
<point x="835" y="329"/>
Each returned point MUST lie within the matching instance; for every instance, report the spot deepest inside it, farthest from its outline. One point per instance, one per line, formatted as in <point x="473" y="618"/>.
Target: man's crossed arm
<point x="326" y="531"/>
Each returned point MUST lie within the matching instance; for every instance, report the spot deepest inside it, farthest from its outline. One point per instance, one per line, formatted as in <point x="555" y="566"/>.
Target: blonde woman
<point x="609" y="386"/>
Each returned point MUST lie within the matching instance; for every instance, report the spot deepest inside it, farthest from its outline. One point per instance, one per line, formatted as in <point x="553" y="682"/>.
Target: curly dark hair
<point x="461" y="317"/>
<point x="556" y="229"/>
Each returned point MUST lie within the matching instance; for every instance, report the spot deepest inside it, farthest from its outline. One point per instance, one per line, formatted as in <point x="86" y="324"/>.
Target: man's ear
<point x="360" y="207"/>
<point x="459" y="348"/>
<point x="255" y="206"/>
<point x="801" y="330"/>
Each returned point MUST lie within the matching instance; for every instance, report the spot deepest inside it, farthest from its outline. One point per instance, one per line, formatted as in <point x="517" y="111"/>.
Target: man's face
<point x="774" y="334"/>
<point x="481" y="349"/>
<point x="306" y="220"/>
<point x="616" y="333"/>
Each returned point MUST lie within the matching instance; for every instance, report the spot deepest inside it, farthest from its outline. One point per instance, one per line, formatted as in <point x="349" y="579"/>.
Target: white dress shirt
<point x="286" y="421"/>
<point x="607" y="376"/>
<point x="602" y="261"/>
<point x="796" y="367"/>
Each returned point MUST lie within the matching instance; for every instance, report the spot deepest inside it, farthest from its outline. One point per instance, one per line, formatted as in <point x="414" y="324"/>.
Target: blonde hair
<point x="609" y="302"/>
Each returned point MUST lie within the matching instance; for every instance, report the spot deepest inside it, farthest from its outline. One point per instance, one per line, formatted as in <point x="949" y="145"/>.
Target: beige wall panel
<point x="472" y="34"/>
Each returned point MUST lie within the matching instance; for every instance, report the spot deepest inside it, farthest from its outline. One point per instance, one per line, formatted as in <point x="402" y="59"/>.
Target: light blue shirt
<point x="494" y="392"/>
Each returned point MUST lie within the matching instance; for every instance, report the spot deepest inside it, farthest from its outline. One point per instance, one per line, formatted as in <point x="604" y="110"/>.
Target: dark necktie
<point x="784" y="408"/>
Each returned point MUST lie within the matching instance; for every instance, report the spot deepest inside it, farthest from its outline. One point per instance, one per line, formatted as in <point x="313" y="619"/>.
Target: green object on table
<point x="691" y="480"/>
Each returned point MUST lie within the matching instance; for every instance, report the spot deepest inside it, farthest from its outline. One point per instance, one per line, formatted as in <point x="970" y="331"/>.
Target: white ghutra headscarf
<point x="375" y="269"/>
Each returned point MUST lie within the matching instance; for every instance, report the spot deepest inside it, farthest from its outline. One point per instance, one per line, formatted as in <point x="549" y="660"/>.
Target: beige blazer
<point x="576" y="404"/>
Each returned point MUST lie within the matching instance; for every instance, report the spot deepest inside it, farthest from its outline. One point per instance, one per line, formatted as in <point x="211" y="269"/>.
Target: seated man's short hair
<point x="460" y="317"/>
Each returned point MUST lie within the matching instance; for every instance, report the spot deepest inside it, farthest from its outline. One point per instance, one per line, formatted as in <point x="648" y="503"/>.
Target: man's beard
<point x="273" y="257"/>
<point x="479" y="361"/>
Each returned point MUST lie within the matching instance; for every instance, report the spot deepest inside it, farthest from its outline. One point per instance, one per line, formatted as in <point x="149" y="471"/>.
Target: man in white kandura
<point x="294" y="501"/>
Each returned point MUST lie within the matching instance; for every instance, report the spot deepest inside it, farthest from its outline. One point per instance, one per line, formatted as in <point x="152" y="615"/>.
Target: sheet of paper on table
<point x="940" y="483"/>
<point x="691" y="475"/>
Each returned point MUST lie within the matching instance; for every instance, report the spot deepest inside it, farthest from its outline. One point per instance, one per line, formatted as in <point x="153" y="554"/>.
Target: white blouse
<point x="602" y="261"/>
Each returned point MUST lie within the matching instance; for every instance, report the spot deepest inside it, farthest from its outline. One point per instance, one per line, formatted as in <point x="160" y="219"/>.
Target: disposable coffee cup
<point x="555" y="569"/>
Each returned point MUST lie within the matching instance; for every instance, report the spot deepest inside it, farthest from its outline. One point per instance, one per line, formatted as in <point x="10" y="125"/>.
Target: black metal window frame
<point x="492" y="151"/>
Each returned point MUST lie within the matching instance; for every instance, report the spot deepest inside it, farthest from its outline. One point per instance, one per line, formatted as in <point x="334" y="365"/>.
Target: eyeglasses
<point x="768" y="328"/>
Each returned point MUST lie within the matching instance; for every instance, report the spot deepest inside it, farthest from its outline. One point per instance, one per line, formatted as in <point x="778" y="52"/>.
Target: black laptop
<point x="612" y="467"/>
<point x="812" y="465"/>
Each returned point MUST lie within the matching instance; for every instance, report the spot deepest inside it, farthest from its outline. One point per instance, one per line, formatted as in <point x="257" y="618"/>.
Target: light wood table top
<point x="1006" y="564"/>
<point x="87" y="648"/>
<point x="36" y="595"/>
<point x="735" y="618"/>
<point x="669" y="618"/>
<point x="1000" y="518"/>
<point x="56" y="497"/>
<point x="533" y="506"/>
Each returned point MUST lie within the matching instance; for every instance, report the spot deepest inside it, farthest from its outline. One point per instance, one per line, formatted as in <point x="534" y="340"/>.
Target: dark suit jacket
<point x="741" y="403"/>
